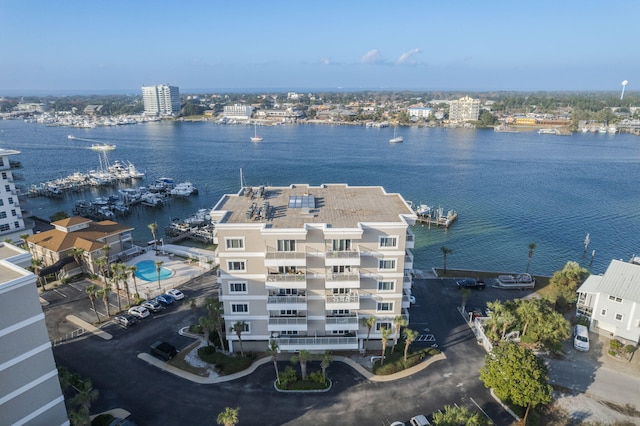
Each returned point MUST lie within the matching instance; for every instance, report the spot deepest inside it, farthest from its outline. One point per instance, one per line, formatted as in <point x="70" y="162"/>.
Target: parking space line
<point x="73" y="286"/>
<point x="60" y="293"/>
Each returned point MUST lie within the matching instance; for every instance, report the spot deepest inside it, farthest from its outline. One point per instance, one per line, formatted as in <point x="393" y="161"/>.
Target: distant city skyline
<point x="120" y="46"/>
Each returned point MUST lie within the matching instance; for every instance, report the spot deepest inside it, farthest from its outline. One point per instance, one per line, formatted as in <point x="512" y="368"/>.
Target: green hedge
<point x="394" y="362"/>
<point x="225" y="364"/>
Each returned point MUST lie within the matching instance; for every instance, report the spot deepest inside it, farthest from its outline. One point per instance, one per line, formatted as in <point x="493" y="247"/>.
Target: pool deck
<point x="183" y="270"/>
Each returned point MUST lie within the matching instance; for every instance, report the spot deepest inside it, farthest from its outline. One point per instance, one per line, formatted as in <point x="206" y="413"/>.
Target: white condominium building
<point x="12" y="222"/>
<point x="238" y="111"/>
<point x="161" y="99"/>
<point x="306" y="265"/>
<point x="464" y="109"/>
<point x="30" y="391"/>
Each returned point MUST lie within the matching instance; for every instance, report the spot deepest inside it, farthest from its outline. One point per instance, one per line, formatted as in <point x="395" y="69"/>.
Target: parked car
<point x="470" y="283"/>
<point x="152" y="305"/>
<point x="139" y="312"/>
<point x="175" y="293"/>
<point x="125" y="320"/>
<point x="581" y="338"/>
<point x="163" y="350"/>
<point x="419" y="420"/>
<point x="165" y="299"/>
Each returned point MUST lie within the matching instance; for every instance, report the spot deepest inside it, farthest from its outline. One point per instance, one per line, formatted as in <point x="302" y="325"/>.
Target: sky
<point x="120" y="45"/>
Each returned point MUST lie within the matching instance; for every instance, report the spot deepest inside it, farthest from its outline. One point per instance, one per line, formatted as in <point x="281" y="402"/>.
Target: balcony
<point x="405" y="301"/>
<point x="286" y="302"/>
<point x="284" y="258"/>
<point x="411" y="238"/>
<point x="407" y="281"/>
<point x="287" y="324"/>
<point x="342" y="322"/>
<point x="408" y="259"/>
<point x="342" y="280"/>
<point x="342" y="301"/>
<point x="342" y="258"/>
<point x="298" y="280"/>
<point x="318" y="343"/>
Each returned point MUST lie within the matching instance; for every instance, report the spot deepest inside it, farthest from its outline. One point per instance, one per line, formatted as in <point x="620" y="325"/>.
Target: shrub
<point x="65" y="280"/>
<point x="224" y="363"/>
<point x="629" y="349"/>
<point x="316" y="376"/>
<point x="615" y="345"/>
<point x="287" y="376"/>
<point x="195" y="328"/>
<point x="612" y="352"/>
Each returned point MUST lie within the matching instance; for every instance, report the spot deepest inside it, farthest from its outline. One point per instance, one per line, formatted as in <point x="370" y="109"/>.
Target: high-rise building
<point x="305" y="265"/>
<point x="161" y="99"/>
<point x="12" y="217"/>
<point x="30" y="392"/>
<point x="464" y="109"/>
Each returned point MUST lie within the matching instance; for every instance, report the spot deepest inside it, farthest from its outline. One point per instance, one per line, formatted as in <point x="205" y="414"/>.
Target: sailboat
<point x="255" y="137"/>
<point x="396" y="139"/>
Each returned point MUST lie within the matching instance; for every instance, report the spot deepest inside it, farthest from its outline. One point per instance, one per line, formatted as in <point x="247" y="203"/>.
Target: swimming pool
<point x="147" y="271"/>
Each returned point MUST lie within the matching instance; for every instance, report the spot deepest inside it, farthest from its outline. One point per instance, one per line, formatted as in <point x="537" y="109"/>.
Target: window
<point x="286" y="245"/>
<point x="4" y="175"/>
<point x="386" y="285"/>
<point x="618" y="317"/>
<point x="387" y="264"/>
<point x="388" y="242"/>
<point x="239" y="287"/>
<point x="603" y="312"/>
<point x="341" y="245"/>
<point x="289" y="332"/>
<point x="246" y="328"/>
<point x="13" y="212"/>
<point x="384" y="306"/>
<point x="290" y="292"/>
<point x="1" y="202"/>
<point x="288" y="312"/>
<point x="10" y="200"/>
<point x="239" y="308"/>
<point x="16" y="224"/>
<point x="236" y="265"/>
<point x="385" y="325"/>
<point x="234" y="243"/>
<point x="4" y="227"/>
<point x="7" y="188"/>
<point x="287" y="270"/>
<point x="341" y="291"/>
<point x="340" y="312"/>
<point x="615" y="299"/>
<point x="341" y="269"/>
<point x="340" y="332"/>
<point x="3" y="215"/>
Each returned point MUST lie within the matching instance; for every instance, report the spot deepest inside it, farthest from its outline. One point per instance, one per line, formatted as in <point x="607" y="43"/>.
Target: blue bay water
<point x="510" y="189"/>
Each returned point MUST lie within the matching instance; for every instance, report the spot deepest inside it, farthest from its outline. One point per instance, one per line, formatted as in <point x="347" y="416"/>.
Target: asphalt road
<point x="159" y="398"/>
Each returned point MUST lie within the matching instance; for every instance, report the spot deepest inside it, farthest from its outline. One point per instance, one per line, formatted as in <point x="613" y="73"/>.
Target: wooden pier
<point x="438" y="220"/>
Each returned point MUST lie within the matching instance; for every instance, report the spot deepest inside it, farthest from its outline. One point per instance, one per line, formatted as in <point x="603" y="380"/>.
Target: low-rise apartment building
<point x="304" y="265"/>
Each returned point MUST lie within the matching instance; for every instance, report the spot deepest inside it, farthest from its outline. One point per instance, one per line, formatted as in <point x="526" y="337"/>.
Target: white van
<point x="419" y="420"/>
<point x="581" y="338"/>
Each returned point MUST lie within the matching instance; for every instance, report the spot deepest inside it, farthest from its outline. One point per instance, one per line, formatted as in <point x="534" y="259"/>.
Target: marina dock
<point x="428" y="216"/>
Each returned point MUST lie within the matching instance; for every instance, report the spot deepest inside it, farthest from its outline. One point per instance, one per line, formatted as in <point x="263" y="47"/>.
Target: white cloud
<point x="407" y="57"/>
<point x="371" y="57"/>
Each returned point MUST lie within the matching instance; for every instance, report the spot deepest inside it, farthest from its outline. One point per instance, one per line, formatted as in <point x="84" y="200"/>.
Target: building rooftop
<point x="338" y="205"/>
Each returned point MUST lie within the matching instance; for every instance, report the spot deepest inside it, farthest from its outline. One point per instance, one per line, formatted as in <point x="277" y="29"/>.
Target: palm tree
<point x="24" y="237"/>
<point x="78" y="256"/>
<point x="368" y="322"/>
<point x="85" y="396"/>
<point x="92" y="291"/>
<point x="528" y="311"/>
<point x="101" y="263"/>
<point x="107" y="249"/>
<point x="158" y="270"/>
<point x="385" y="338"/>
<point x="124" y="274"/>
<point x="216" y="309"/>
<point x="36" y="263"/>
<point x="115" y="276"/>
<point x="302" y="357"/>
<point x="327" y="359"/>
<point x="205" y="325"/>
<point x="153" y="227"/>
<point x="238" y="327"/>
<point x="104" y="293"/>
<point x="133" y="269"/>
<point x="194" y="309"/>
<point x="532" y="247"/>
<point x="445" y="251"/>
<point x="273" y="351"/>
<point x="398" y="322"/>
<point x="409" y="337"/>
<point x="229" y="417"/>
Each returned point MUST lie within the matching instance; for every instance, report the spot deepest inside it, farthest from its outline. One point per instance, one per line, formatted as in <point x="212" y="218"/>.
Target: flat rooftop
<point x="338" y="205"/>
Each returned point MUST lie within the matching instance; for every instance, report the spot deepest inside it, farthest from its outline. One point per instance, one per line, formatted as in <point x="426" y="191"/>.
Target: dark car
<point x="163" y="350"/>
<point x="125" y="320"/>
<point x="165" y="299"/>
<point x="470" y="283"/>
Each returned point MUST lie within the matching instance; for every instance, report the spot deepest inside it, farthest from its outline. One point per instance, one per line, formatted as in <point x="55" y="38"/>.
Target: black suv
<point x="163" y="350"/>
<point x="471" y="283"/>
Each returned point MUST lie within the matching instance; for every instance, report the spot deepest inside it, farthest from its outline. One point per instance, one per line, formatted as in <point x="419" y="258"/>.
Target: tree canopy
<point x="517" y="375"/>
<point x="564" y="283"/>
<point x="454" y="415"/>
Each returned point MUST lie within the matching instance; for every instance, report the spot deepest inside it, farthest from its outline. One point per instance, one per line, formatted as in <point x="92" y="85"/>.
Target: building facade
<point x="420" y="112"/>
<point x="239" y="112"/>
<point x="611" y="301"/>
<point x="464" y="109"/>
<point x="161" y="99"/>
<point x="306" y="265"/>
<point x="13" y="222"/>
<point x="30" y="392"/>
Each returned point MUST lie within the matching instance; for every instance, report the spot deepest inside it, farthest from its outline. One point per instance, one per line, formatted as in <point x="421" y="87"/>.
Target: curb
<point x="89" y="327"/>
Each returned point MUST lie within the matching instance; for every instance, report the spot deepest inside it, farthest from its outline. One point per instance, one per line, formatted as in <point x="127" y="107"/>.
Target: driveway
<point x="158" y="398"/>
